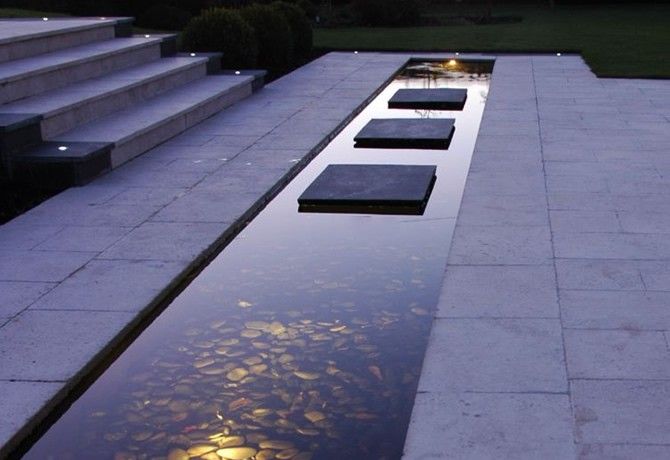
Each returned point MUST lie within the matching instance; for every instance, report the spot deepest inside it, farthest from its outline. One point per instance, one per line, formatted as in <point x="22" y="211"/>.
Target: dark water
<point x="304" y="338"/>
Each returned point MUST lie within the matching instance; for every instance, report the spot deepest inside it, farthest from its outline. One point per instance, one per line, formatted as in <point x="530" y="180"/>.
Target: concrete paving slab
<point x="622" y="452"/>
<point x="15" y="296"/>
<point x="627" y="310"/>
<point x="167" y="241"/>
<point x="494" y="355"/>
<point x="572" y="222"/>
<point x="599" y="274"/>
<point x="490" y="426"/>
<point x="503" y="210"/>
<point x="22" y="400"/>
<point x="56" y="345"/>
<point x="623" y="354"/>
<point x="492" y="245"/>
<point x="498" y="292"/>
<point x="97" y="286"/>
<point x="612" y="246"/>
<point x="86" y="239"/>
<point x="621" y="411"/>
<point x="44" y="266"/>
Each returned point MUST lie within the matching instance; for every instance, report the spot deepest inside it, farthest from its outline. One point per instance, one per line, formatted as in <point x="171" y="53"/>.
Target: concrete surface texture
<point x="81" y="269"/>
<point x="551" y="335"/>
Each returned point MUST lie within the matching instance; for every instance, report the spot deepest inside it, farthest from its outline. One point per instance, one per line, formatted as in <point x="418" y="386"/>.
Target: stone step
<point x="65" y="108"/>
<point x="22" y="38"/>
<point x="35" y="75"/>
<point x="135" y="130"/>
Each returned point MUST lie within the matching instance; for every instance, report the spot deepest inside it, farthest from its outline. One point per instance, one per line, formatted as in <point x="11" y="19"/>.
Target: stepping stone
<point x="406" y="133"/>
<point x="429" y="99"/>
<point x="370" y="189"/>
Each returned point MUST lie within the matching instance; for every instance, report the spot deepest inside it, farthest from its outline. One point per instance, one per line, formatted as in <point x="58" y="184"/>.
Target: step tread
<point x="17" y="30"/>
<point x="21" y="68"/>
<point x="62" y="99"/>
<point x="126" y="123"/>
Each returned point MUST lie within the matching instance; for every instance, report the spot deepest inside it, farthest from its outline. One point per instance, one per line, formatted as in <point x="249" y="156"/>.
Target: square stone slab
<point x="376" y="189"/>
<point x="429" y="99"/>
<point x="406" y="133"/>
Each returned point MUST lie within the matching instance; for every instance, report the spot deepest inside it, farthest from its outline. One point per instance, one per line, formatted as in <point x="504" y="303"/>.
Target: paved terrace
<point x="551" y="338"/>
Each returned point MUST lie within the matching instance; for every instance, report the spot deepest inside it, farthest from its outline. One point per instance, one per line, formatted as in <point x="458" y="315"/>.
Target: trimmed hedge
<point x="164" y="17"/>
<point x="273" y="34"/>
<point x="301" y="29"/>
<point x="221" y="29"/>
<point x="391" y="13"/>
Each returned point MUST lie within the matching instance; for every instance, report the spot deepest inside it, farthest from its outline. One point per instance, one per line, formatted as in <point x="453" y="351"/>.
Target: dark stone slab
<point x="17" y="131"/>
<point x="258" y="74"/>
<point x="429" y="99"/>
<point x="402" y="133"/>
<point x="123" y="27"/>
<point x="376" y="189"/>
<point x="51" y="166"/>
<point x="169" y="45"/>
<point x="214" y="60"/>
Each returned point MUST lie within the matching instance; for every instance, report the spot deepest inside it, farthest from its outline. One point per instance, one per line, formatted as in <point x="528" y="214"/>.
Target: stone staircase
<point x="80" y="96"/>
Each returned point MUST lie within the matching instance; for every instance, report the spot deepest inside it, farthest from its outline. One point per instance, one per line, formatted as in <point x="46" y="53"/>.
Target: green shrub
<point x="309" y="8"/>
<point x="220" y="29"/>
<point x="164" y="17"/>
<point x="273" y="33"/>
<point x="301" y="29"/>
<point x="393" y="13"/>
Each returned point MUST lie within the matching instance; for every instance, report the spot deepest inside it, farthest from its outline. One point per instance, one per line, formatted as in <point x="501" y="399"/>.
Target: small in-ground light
<point x="458" y="54"/>
<point x="355" y="52"/>
<point x="62" y="148"/>
<point x="147" y="36"/>
<point x="192" y="54"/>
<point x="558" y="54"/>
<point x="45" y="19"/>
<point x="237" y="72"/>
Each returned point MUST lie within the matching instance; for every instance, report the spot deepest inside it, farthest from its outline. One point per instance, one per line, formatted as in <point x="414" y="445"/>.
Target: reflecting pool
<point x="304" y="337"/>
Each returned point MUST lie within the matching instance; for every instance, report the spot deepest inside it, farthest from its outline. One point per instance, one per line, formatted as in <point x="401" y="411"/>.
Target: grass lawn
<point x="616" y="41"/>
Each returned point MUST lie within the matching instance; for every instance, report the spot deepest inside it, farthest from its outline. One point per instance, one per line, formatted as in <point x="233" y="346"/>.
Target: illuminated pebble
<point x="237" y="374"/>
<point x="236" y="453"/>
<point x="201" y="449"/>
<point x="178" y="454"/>
<point x="231" y="441"/>
<point x="274" y="444"/>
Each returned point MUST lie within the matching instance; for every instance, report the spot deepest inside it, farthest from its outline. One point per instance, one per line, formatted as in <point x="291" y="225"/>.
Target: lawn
<point x="616" y="41"/>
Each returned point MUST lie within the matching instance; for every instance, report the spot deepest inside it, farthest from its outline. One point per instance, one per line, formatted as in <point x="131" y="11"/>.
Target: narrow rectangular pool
<point x="304" y="338"/>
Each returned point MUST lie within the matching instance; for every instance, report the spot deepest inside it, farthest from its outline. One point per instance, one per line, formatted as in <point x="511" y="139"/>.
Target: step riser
<point x="145" y="141"/>
<point x="32" y="85"/>
<point x="40" y="45"/>
<point x="59" y="123"/>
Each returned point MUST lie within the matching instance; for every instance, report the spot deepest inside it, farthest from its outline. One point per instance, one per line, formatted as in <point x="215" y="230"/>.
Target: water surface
<point x="304" y="338"/>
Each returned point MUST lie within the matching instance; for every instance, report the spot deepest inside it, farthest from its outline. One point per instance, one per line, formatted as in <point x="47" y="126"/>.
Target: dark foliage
<point x="164" y="17"/>
<point x="273" y="34"/>
<point x="221" y="29"/>
<point x="301" y="29"/>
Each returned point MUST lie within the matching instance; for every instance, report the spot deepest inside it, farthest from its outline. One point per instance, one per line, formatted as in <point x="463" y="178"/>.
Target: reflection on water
<point x="304" y="338"/>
